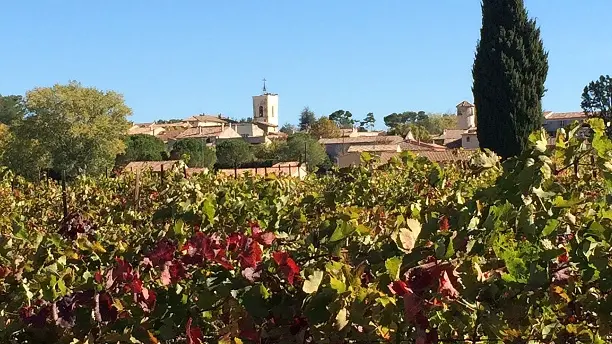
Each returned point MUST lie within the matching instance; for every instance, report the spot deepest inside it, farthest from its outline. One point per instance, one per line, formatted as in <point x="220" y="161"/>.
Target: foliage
<point x="5" y="137"/>
<point x="69" y="128"/>
<point x="12" y="108"/>
<point x="233" y="152"/>
<point x="199" y="154"/>
<point x="435" y="124"/>
<point x="270" y="152"/>
<point x="344" y="119"/>
<point x="597" y="99"/>
<point x="509" y="74"/>
<point x="407" y="252"/>
<point x="418" y="131"/>
<point x="367" y="124"/>
<point x="168" y="121"/>
<point x="421" y="124"/>
<point x="395" y="119"/>
<point x="325" y="128"/>
<point x="142" y="147"/>
<point x="288" y="129"/>
<point x="301" y="144"/>
<point x="307" y="119"/>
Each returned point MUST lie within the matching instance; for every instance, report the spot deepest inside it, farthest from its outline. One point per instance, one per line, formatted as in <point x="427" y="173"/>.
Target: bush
<point x="199" y="154"/>
<point x="142" y="147"/>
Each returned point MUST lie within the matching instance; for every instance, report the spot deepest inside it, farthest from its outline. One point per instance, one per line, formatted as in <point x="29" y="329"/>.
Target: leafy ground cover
<point x="406" y="252"/>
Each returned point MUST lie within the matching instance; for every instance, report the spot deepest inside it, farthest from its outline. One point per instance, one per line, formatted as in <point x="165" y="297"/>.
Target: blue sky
<point x="173" y="59"/>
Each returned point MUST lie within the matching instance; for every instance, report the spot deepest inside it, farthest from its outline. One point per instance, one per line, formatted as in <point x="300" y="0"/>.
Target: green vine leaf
<point x="311" y="285"/>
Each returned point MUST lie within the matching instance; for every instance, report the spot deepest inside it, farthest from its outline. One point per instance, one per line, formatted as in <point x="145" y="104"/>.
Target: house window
<point x="467" y="139"/>
<point x="260" y="111"/>
<point x="245" y="135"/>
<point x="272" y="111"/>
<point x="562" y="124"/>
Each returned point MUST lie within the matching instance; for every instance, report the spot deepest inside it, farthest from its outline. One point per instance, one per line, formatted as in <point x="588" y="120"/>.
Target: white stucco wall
<point x="466" y="117"/>
<point x="249" y="129"/>
<point x="469" y="141"/>
<point x="268" y="104"/>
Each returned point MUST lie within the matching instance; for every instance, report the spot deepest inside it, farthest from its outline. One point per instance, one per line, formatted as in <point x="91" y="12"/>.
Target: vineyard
<point x="407" y="252"/>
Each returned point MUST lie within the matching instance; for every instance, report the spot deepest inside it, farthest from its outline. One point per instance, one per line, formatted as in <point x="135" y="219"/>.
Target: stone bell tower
<point x="466" y="115"/>
<point x="265" y="109"/>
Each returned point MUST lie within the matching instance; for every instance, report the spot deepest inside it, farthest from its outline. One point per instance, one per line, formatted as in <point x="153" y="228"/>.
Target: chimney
<point x="223" y="126"/>
<point x="200" y="130"/>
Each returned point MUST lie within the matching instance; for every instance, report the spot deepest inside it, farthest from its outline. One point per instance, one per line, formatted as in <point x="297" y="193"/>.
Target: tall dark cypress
<point x="509" y="74"/>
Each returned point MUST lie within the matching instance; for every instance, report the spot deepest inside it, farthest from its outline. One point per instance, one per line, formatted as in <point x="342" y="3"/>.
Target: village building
<point x="262" y="129"/>
<point x="557" y="120"/>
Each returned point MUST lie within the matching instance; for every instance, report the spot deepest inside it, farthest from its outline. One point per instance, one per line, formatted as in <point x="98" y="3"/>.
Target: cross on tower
<point x="264" y="86"/>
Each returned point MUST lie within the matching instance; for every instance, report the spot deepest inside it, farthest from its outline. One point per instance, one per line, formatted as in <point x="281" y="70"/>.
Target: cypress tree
<point x="509" y="74"/>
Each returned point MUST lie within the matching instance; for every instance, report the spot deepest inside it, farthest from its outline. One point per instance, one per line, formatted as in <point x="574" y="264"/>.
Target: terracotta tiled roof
<point x="413" y="145"/>
<point x="453" y="144"/>
<point x="206" y="118"/>
<point x="199" y="132"/>
<point x="374" y="148"/>
<point x="142" y="125"/>
<point x="170" y="134"/>
<point x="277" y="135"/>
<point x="171" y="125"/>
<point x="266" y="124"/>
<point x="564" y="115"/>
<point x="363" y="140"/>
<point x="136" y="130"/>
<point x="465" y="103"/>
<point x="450" y="135"/>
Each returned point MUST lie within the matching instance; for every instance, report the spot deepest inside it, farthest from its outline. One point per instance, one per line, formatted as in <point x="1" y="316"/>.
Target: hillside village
<point x="453" y="145"/>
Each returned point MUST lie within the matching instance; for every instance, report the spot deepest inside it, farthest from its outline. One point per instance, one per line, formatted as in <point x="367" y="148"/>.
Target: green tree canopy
<point x="307" y="119"/>
<point x="418" y="132"/>
<point x="395" y="119"/>
<point x="142" y="147"/>
<point x="344" y="119"/>
<point x="436" y="123"/>
<point x="326" y="128"/>
<point x="368" y="122"/>
<point x="168" y="121"/>
<point x="233" y="152"/>
<point x="12" y="108"/>
<point x="509" y="74"/>
<point x="70" y="128"/>
<point x="597" y="100"/>
<point x="200" y="155"/>
<point x="301" y="144"/>
<point x="288" y="129"/>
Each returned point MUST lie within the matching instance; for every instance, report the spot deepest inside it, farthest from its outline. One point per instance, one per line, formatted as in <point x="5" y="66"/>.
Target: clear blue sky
<point x="178" y="58"/>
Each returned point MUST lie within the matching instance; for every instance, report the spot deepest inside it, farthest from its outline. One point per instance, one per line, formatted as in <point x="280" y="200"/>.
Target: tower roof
<point x="465" y="103"/>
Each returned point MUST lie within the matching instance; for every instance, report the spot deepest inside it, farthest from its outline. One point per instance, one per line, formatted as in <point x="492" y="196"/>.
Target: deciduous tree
<point x="597" y="99"/>
<point x="70" y="128"/>
<point x="233" y="152"/>
<point x="325" y="128"/>
<point x="509" y="74"/>
<point x="302" y="146"/>
<point x="200" y="155"/>
<point x="12" y="108"/>
<point x="288" y="129"/>
<point x="142" y="147"/>
<point x="307" y="119"/>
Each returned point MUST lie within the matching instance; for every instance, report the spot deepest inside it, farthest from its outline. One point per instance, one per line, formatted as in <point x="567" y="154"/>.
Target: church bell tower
<point x="265" y="109"/>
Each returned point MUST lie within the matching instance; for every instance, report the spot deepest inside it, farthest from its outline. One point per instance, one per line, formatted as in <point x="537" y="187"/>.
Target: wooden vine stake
<point x="137" y="189"/>
<point x="64" y="196"/>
